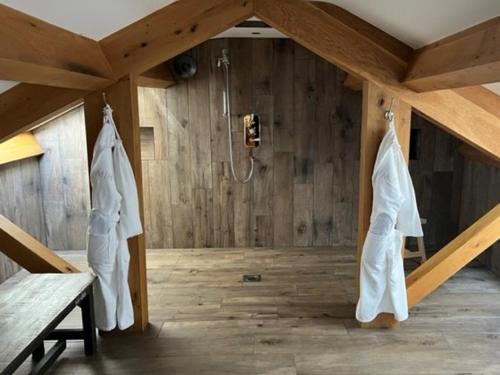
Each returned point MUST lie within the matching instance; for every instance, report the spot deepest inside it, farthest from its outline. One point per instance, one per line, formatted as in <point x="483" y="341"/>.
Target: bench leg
<point x="43" y="365"/>
<point x="38" y="353"/>
<point x="89" y="332"/>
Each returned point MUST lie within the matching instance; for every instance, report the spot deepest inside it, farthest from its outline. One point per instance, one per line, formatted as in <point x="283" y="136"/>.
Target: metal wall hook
<point x="389" y="115"/>
<point x="104" y="98"/>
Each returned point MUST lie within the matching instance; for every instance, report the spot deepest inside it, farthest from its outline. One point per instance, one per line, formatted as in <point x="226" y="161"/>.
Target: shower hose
<point x="227" y="114"/>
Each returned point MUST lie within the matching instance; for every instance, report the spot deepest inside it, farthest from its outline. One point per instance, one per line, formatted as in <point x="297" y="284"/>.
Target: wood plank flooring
<point x="298" y="320"/>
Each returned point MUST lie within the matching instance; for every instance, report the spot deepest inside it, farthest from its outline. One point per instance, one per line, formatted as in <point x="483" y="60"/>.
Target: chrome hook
<point x="389" y="115"/>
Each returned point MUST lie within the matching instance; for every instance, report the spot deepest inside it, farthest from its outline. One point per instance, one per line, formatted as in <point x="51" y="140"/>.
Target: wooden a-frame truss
<point x="77" y="68"/>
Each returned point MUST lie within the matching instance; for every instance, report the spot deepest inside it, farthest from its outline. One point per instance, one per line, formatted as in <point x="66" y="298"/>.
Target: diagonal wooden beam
<point x="137" y="48"/>
<point x="28" y="252"/>
<point x="171" y="31"/>
<point x="453" y="257"/>
<point x="332" y="37"/>
<point x="470" y="57"/>
<point x="20" y="147"/>
<point x="342" y="45"/>
<point x="38" y="52"/>
<point x="379" y="39"/>
<point x="26" y="105"/>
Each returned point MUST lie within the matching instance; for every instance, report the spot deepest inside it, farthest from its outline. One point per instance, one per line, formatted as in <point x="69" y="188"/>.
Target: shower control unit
<point x="251" y="130"/>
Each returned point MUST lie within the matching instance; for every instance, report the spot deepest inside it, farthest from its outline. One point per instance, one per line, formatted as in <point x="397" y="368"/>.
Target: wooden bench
<point x="30" y="311"/>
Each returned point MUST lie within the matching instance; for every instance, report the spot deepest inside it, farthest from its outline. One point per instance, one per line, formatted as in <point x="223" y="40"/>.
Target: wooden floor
<point x="298" y="320"/>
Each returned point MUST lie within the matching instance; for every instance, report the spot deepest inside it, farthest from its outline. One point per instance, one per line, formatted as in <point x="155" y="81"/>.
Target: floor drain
<point x="252" y="278"/>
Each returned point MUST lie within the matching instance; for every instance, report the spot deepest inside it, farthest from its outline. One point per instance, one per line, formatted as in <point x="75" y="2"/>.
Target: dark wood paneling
<point x="437" y="177"/>
<point x="302" y="192"/>
<point x="481" y="192"/>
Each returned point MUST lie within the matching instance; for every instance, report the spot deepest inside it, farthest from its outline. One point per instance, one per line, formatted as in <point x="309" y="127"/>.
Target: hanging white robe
<point x="394" y="214"/>
<point x="113" y="219"/>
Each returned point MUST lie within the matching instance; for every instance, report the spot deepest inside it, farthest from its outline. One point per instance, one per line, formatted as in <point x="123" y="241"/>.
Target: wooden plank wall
<point x="437" y="178"/>
<point x="48" y="196"/>
<point x="64" y="181"/>
<point x="306" y="175"/>
<point x="481" y="192"/>
<point x="21" y="202"/>
<point x="304" y="189"/>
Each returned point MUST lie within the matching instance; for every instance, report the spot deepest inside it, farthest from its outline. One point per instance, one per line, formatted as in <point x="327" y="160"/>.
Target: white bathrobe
<point x="114" y="218"/>
<point x="394" y="214"/>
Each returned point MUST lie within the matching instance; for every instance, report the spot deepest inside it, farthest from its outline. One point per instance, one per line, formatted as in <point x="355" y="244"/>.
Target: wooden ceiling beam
<point x="379" y="39"/>
<point x="470" y="57"/>
<point x="36" y="51"/>
<point x="20" y="147"/>
<point x="170" y="31"/>
<point x="137" y="48"/>
<point x="339" y="38"/>
<point x="26" y="105"/>
<point x="342" y="45"/>
<point x="158" y="77"/>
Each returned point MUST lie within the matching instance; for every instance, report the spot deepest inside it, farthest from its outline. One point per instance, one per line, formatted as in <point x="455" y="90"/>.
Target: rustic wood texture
<point x="170" y="31"/>
<point x="298" y="320"/>
<point x="20" y="147"/>
<point x="38" y="52"/>
<point x="376" y="101"/>
<point x="345" y="40"/>
<point x="454" y="256"/>
<point x="436" y="168"/>
<point x="379" y="38"/>
<point x="481" y="192"/>
<point x="21" y="203"/>
<point x="123" y="98"/>
<point x="30" y="253"/>
<point x="302" y="192"/>
<point x="64" y="181"/>
<point x="374" y="126"/>
<point x="47" y="295"/>
<point x="26" y="105"/>
<point x="159" y="76"/>
<point x="340" y="43"/>
<point x="470" y="57"/>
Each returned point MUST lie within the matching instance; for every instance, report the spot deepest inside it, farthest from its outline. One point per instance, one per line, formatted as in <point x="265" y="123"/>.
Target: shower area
<point x="256" y="145"/>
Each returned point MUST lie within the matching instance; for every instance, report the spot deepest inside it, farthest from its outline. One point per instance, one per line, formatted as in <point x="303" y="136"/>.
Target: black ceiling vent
<point x="253" y="24"/>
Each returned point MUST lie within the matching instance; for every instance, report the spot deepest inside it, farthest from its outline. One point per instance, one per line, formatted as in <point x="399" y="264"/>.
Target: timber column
<point x="123" y="98"/>
<point x="373" y="127"/>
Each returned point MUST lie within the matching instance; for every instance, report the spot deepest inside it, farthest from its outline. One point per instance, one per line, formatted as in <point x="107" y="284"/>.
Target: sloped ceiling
<point x="417" y="23"/>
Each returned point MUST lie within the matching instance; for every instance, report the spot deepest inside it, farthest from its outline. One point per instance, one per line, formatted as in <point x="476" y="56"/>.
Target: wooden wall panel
<point x="436" y="172"/>
<point x="179" y="165"/>
<point x="190" y="197"/>
<point x="481" y="192"/>
<point x="282" y="86"/>
<point x="64" y="181"/>
<point x="21" y="203"/>
<point x="283" y="199"/>
<point x="310" y="131"/>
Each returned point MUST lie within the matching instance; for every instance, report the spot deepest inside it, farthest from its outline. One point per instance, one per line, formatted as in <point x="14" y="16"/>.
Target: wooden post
<point x="123" y="98"/>
<point x="373" y="128"/>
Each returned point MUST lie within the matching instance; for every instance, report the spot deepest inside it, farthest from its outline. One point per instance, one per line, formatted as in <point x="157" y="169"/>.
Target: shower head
<point x="224" y="59"/>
